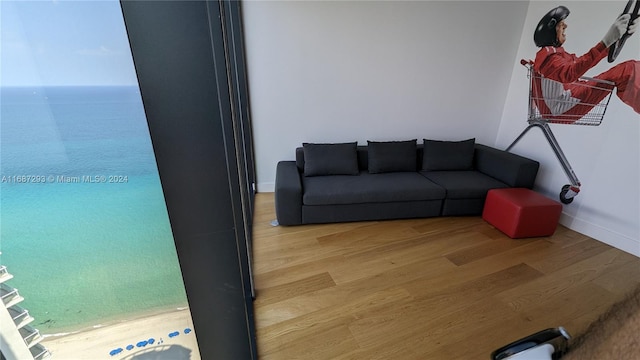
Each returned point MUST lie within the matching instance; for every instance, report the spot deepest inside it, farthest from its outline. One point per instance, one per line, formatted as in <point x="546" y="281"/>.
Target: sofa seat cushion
<point x="464" y="184"/>
<point x="369" y="188"/>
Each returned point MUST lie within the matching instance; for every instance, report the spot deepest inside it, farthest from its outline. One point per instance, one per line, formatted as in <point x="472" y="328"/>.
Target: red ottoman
<point x="521" y="213"/>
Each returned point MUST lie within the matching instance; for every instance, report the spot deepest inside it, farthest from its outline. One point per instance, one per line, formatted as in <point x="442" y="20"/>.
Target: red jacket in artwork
<point x="565" y="94"/>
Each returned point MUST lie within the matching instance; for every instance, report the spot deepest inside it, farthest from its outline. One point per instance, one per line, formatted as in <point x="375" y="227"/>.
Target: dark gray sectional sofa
<point x="394" y="179"/>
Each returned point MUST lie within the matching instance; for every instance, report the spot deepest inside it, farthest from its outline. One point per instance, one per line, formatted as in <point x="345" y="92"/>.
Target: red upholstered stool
<point x="521" y="213"/>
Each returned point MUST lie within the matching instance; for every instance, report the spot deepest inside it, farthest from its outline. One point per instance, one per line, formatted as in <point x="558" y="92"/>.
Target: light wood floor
<point x="438" y="288"/>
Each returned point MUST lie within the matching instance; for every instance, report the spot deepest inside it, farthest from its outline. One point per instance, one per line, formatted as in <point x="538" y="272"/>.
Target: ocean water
<point x="83" y="224"/>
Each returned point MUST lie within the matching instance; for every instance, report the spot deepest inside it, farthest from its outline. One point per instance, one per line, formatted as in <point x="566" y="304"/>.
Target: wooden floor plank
<point x="381" y="259"/>
<point x="332" y="298"/>
<point x="294" y="288"/>
<point x="292" y="273"/>
<point x="459" y="275"/>
<point x="343" y="313"/>
<point x="482" y="250"/>
<point x="430" y="327"/>
<point x="275" y="338"/>
<point x="569" y="255"/>
<point x="562" y="280"/>
<point x="620" y="278"/>
<point x="321" y="346"/>
<point x="569" y="308"/>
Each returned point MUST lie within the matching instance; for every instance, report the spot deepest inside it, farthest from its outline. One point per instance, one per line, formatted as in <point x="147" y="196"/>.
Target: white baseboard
<point x="607" y="236"/>
<point x="266" y="187"/>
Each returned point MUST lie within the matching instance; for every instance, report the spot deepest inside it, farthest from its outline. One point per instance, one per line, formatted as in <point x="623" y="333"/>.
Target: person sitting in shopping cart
<point x="553" y="62"/>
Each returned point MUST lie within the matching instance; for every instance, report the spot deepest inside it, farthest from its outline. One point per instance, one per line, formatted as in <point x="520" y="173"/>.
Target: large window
<point x="83" y="224"/>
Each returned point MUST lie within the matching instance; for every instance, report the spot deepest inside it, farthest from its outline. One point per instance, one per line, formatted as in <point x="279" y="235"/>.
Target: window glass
<point x="84" y="230"/>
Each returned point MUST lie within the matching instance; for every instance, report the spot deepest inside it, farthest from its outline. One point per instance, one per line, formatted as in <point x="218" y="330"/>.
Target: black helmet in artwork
<point x="545" y="34"/>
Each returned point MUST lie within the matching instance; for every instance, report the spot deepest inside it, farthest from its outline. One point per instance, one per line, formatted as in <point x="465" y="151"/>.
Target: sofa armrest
<point x="288" y="194"/>
<point x="513" y="170"/>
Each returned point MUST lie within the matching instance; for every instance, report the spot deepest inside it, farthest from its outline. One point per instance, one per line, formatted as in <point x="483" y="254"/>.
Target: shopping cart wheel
<point x="615" y="48"/>
<point x="567" y="193"/>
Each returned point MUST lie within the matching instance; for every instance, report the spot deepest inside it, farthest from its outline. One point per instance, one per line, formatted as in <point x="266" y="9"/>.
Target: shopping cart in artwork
<point x="551" y="102"/>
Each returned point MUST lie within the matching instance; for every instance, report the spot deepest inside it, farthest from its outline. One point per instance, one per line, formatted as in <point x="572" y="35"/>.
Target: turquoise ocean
<point x="84" y="228"/>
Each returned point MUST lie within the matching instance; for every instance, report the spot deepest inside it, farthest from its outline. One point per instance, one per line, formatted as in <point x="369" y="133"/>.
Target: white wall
<point x="332" y="71"/>
<point x="605" y="158"/>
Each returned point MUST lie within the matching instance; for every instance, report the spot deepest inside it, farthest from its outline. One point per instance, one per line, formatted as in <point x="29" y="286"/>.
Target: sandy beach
<point x="158" y="337"/>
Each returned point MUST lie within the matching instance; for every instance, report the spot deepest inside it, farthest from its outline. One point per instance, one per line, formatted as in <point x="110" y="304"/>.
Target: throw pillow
<point x="330" y="159"/>
<point x="448" y="155"/>
<point x="391" y="156"/>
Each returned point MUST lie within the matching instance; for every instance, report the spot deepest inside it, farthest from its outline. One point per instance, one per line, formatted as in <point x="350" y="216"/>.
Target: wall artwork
<point x="554" y="63"/>
<point x="559" y="91"/>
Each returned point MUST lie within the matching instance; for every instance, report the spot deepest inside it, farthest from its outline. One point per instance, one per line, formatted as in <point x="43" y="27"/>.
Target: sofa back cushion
<point x="392" y="156"/>
<point x="448" y="155"/>
<point x="361" y="154"/>
<point x="330" y="159"/>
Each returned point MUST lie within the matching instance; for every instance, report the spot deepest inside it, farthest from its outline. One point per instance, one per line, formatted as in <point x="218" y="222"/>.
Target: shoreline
<point x="105" y="321"/>
<point x="169" y="335"/>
